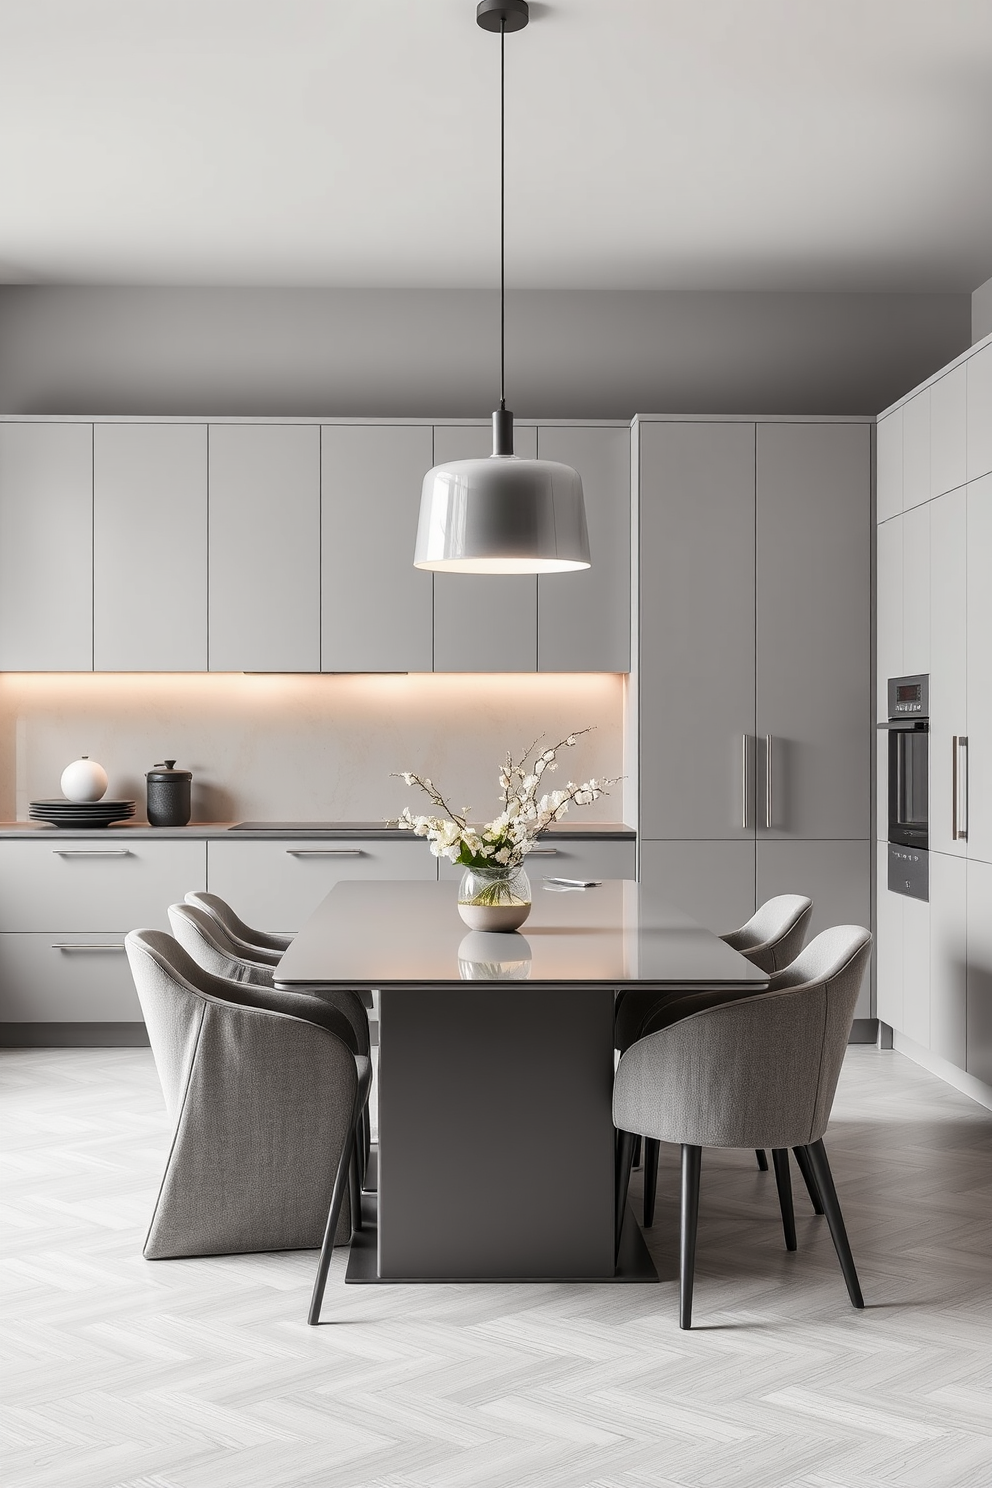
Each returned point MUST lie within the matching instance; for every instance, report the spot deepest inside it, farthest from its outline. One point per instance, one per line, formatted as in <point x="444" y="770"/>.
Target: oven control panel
<point x="909" y="871"/>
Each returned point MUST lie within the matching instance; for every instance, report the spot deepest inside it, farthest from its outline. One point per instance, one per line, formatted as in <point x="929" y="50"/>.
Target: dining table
<point x="496" y="1146"/>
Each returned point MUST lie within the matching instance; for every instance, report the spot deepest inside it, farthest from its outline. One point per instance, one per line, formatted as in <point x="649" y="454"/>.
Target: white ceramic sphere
<point x="84" y="780"/>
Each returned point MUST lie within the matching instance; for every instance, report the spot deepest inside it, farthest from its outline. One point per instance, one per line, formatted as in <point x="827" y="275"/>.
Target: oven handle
<point x="906" y="725"/>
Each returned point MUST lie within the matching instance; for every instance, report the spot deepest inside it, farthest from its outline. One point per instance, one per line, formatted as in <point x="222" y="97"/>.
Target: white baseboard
<point x="976" y="1090"/>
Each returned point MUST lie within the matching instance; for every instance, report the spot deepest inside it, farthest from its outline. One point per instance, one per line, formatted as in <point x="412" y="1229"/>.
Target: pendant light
<point x="502" y="514"/>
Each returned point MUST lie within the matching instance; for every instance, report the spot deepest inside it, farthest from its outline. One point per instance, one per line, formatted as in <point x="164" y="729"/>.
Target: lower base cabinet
<point x="568" y="859"/>
<point x="979" y="971"/>
<point x="70" y="978"/>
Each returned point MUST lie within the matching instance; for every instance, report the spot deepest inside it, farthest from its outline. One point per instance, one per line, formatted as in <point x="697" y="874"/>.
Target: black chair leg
<point x="624" y="1157"/>
<point x="636" y="1162"/>
<point x="762" y="1157"/>
<point x="355" y="1189"/>
<point x="783" y="1182"/>
<point x="802" y="1158"/>
<point x="691" y="1163"/>
<point x="817" y="1154"/>
<point x="652" y="1149"/>
<point x="342" y="1179"/>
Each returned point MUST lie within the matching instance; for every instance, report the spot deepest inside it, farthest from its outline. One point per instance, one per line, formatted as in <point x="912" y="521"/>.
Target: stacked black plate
<point x="81" y="813"/>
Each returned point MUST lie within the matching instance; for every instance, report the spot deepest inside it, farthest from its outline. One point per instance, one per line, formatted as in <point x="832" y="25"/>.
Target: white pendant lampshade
<point x="502" y="515"/>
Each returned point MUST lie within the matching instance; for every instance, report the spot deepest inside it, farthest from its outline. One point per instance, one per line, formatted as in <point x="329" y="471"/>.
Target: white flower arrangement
<point x="508" y="838"/>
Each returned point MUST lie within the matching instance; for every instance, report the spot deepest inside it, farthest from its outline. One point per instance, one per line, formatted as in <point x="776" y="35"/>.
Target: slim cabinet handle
<point x="325" y="852"/>
<point x="91" y="852"/>
<point x="744" y="821"/>
<point x="768" y="780"/>
<point x="91" y="945"/>
<point x="543" y="852"/>
<point x="959" y="788"/>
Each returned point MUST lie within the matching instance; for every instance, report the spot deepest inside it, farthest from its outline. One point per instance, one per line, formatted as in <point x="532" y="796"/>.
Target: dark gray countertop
<point x="352" y="831"/>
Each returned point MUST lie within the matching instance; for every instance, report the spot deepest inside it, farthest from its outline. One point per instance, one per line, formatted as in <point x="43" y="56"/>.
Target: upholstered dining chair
<point x="758" y="1072"/>
<point x="265" y="1090"/>
<point x="256" y="945"/>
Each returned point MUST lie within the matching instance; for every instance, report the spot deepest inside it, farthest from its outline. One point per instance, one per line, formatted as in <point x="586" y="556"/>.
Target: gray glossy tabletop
<point x="396" y="934"/>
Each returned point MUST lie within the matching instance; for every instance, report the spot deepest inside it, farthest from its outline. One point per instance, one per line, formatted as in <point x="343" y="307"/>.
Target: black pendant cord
<point x="502" y="216"/>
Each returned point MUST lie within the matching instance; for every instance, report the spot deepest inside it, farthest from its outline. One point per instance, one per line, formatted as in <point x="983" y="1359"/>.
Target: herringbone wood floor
<point x="202" y="1374"/>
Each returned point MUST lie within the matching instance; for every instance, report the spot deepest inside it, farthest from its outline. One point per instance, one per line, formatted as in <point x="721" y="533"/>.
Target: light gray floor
<point x="202" y="1374"/>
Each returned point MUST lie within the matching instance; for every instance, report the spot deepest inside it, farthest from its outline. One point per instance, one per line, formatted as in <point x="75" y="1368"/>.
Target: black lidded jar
<point x="168" y="795"/>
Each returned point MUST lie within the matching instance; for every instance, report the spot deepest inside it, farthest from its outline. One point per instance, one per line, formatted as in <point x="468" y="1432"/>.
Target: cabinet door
<point x="150" y="548"/>
<point x="376" y="608"/>
<point x="46" y="547"/>
<point x="888" y="948"/>
<point x="696" y="624"/>
<point x="264" y="548"/>
<point x="276" y="885"/>
<point x="813" y="649"/>
<point x="916" y="450"/>
<point x="835" y="875"/>
<point x="948" y="437"/>
<point x="948" y="953"/>
<point x="888" y="463"/>
<point x="567" y="858"/>
<point x="916" y="970"/>
<point x="980" y="669"/>
<point x="66" y="978"/>
<point x="583" y="618"/>
<point x="712" y="881"/>
<point x="888" y="642"/>
<point x="979" y="379"/>
<point x="948" y="662"/>
<point x="916" y="589"/>
<point x="483" y="622"/>
<point x="979" y="1051"/>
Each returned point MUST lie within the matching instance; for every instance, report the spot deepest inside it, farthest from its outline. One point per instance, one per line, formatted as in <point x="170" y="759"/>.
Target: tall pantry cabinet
<point x="752" y="627"/>
<point x="934" y="553"/>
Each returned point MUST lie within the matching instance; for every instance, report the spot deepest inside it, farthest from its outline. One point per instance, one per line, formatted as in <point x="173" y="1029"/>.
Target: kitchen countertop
<point x="352" y="831"/>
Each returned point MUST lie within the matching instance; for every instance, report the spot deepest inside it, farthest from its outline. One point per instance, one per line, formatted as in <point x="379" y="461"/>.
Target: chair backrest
<point x="202" y="938"/>
<point x="235" y="928"/>
<point x="773" y="936"/>
<point x="174" y="992"/>
<point x="758" y="1072"/>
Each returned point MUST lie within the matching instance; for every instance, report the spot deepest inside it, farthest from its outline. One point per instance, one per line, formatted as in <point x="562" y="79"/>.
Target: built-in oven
<point x="908" y="730"/>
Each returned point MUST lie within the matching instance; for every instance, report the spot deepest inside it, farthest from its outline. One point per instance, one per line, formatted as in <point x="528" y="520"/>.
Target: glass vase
<point x="494" y="898"/>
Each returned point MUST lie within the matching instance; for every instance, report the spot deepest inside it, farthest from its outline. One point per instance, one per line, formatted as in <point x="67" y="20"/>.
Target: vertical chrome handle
<point x="959" y="788"/>
<point x="768" y="780"/>
<point x="744" y="781"/>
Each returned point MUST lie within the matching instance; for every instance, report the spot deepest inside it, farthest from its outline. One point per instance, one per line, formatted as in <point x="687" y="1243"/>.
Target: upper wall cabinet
<point x="264" y="548"/>
<point x="376" y="608"/>
<point x="583" y="618"/>
<point x="46" y="547"/>
<point x="888" y="495"/>
<point x="483" y="622"/>
<point x="149" y="548"/>
<point x="980" y="413"/>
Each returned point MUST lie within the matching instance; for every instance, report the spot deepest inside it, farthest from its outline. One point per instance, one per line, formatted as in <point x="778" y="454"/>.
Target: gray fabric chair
<point x="759" y="1072"/>
<point x="265" y="1089"/>
<point x="773" y="937"/>
<point x="256" y="945"/>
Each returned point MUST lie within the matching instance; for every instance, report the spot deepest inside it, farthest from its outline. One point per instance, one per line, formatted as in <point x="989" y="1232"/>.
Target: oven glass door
<point x="908" y="774"/>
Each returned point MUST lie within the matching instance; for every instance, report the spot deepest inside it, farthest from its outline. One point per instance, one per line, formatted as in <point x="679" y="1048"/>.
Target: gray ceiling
<point x="658" y="144"/>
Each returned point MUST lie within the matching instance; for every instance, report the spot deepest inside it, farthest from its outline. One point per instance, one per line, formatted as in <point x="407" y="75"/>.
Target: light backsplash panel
<point x="305" y="748"/>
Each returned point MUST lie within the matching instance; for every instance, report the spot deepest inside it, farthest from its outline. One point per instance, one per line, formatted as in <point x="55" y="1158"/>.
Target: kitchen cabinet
<point x="916" y="450"/>
<point x="979" y="972"/>
<point x="696" y="623"/>
<point x="276" y="884"/>
<point x="979" y="418"/>
<point x="979" y="668"/>
<point x="813" y="630"/>
<point x="264" y="548"/>
<point x="66" y="904"/>
<point x="948" y="650"/>
<point x="888" y="446"/>
<point x="150" y="547"/>
<point x="712" y="881"/>
<point x="835" y="874"/>
<point x="567" y="858"/>
<point x="46" y="547"/>
<point x="888" y="950"/>
<point x="948" y="958"/>
<point x="376" y="608"/>
<point x="916" y="591"/>
<point x="948" y="431"/>
<point x="583" y="618"/>
<point x="483" y="622"/>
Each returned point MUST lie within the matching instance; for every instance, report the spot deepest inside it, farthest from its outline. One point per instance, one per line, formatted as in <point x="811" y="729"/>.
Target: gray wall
<point x="420" y="352"/>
